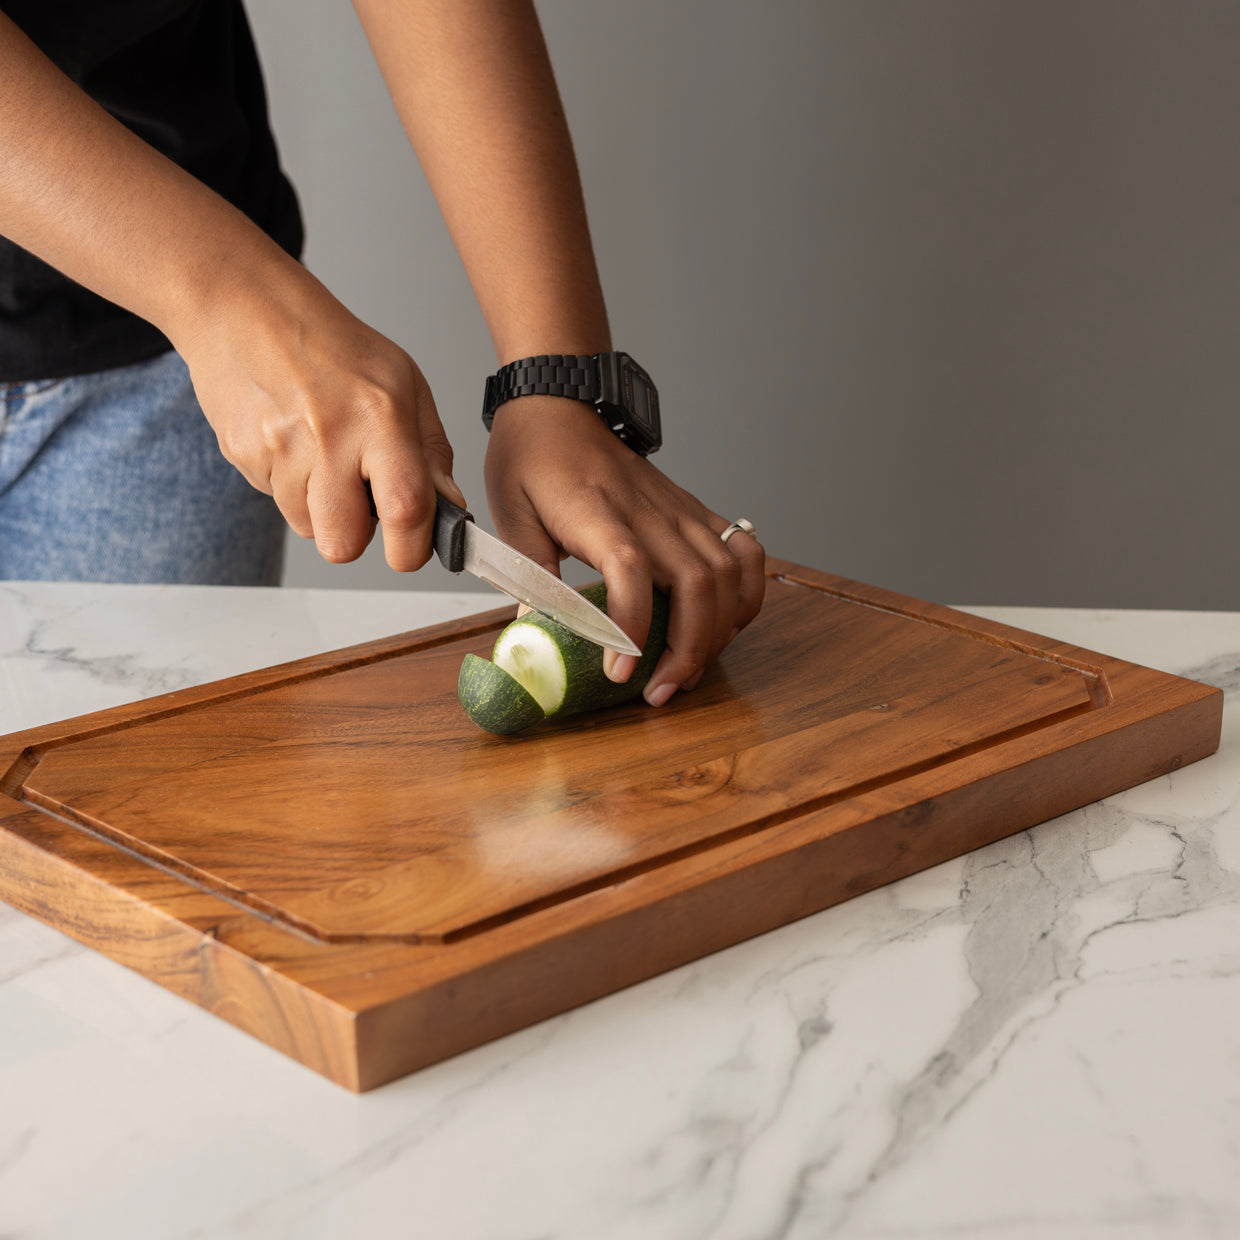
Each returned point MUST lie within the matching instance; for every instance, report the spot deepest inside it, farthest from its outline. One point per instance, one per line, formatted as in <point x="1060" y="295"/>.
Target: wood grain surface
<point x="330" y="855"/>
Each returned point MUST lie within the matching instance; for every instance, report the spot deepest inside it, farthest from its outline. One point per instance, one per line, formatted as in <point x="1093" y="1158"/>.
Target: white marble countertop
<point x="1041" y="1039"/>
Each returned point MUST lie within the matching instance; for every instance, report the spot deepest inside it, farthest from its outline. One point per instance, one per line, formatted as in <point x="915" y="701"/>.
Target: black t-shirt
<point x="184" y="76"/>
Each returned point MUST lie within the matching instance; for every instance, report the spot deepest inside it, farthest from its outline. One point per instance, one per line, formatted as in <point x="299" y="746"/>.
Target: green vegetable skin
<point x="563" y="670"/>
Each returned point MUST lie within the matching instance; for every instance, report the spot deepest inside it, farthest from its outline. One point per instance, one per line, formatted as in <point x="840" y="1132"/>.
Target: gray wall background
<point x="943" y="294"/>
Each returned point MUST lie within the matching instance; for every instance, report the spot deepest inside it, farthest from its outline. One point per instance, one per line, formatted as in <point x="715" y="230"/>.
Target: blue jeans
<point x="117" y="476"/>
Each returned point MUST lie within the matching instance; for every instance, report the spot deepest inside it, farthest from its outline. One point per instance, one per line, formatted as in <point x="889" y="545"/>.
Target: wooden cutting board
<point x="331" y="856"/>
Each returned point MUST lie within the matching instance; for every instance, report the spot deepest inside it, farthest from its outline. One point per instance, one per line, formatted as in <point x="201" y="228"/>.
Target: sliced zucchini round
<point x="493" y="699"/>
<point x="532" y="656"/>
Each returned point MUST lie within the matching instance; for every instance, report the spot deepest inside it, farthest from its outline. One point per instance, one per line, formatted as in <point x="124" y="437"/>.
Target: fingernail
<point x="659" y="695"/>
<point x="618" y="667"/>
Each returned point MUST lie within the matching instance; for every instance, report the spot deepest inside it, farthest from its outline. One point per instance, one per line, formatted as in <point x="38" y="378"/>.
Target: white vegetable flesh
<point x="532" y="658"/>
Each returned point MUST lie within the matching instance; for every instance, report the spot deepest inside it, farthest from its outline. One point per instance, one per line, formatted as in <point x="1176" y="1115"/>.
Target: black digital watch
<point x="613" y="383"/>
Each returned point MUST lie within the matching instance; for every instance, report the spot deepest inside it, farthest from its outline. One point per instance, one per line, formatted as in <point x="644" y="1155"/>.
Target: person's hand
<point x="560" y="483"/>
<point x="313" y="406"/>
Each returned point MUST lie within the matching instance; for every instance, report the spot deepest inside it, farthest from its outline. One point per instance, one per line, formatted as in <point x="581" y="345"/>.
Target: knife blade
<point x="461" y="545"/>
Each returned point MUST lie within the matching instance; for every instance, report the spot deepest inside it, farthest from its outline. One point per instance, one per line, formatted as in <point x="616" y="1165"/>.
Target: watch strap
<point x="549" y="374"/>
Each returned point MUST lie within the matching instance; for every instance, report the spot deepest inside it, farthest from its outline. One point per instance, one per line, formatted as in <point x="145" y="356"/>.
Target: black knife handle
<point x="449" y="536"/>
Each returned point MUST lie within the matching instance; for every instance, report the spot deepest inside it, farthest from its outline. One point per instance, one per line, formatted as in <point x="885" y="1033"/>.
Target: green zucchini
<point x="493" y="699"/>
<point x="540" y="670"/>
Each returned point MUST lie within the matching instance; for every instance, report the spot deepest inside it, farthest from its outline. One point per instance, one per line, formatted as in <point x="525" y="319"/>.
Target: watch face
<point x="641" y="405"/>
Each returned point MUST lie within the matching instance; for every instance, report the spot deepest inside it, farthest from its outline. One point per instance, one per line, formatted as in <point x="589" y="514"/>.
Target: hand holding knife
<point x="462" y="546"/>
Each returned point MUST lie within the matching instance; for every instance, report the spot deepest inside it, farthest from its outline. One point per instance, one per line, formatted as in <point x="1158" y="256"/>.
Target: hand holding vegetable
<point x="560" y="483"/>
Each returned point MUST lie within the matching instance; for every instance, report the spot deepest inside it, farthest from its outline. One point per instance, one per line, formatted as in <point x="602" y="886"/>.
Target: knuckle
<point x="628" y="558"/>
<point x="752" y="549"/>
<point x="375" y="401"/>
<point x="727" y="567"/>
<point x="690" y="661"/>
<point x="403" y="510"/>
<point x="281" y="425"/>
<point x="235" y="448"/>
<point x="697" y="579"/>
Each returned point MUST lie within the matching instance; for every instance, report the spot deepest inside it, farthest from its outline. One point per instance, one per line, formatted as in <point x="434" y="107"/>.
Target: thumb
<point x="445" y="485"/>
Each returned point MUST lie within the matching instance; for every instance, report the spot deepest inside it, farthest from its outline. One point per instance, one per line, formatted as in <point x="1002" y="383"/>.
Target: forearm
<point x="92" y="199"/>
<point x="475" y="92"/>
<point x="309" y="403"/>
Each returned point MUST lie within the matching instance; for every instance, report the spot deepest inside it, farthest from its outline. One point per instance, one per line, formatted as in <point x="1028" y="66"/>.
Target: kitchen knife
<point x="460" y="544"/>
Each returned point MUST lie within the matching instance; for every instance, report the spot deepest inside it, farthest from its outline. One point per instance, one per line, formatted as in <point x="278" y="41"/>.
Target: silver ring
<point x="739" y="526"/>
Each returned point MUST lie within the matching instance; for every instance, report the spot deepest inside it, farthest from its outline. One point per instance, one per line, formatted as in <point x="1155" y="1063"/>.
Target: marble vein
<point x="126" y="670"/>
<point x="1023" y="900"/>
<point x="47" y="957"/>
<point x="1038" y="885"/>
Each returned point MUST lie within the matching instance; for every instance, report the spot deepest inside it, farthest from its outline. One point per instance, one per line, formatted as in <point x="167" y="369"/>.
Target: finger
<point x="339" y="509"/>
<point x="288" y="489"/>
<point x="404" y="499"/>
<point x="751" y="556"/>
<point x="612" y="548"/>
<point x="726" y="570"/>
<point x="742" y="585"/>
<point x="690" y="580"/>
<point x="406" y="467"/>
